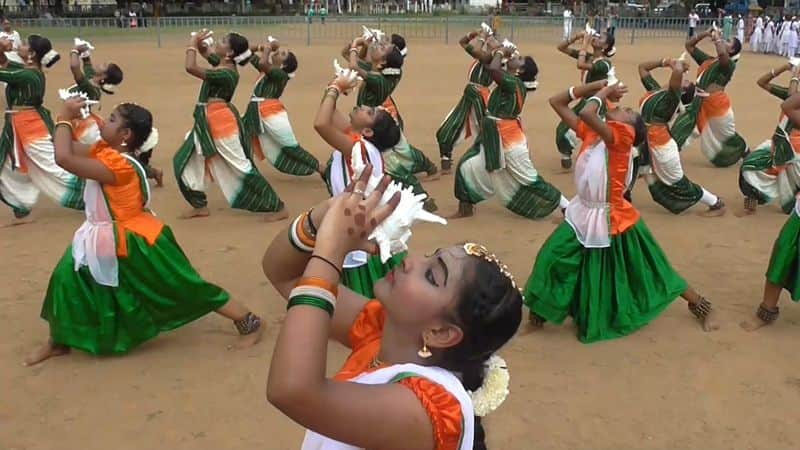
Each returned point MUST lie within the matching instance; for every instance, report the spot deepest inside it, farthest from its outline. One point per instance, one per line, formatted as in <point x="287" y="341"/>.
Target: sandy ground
<point x="668" y="386"/>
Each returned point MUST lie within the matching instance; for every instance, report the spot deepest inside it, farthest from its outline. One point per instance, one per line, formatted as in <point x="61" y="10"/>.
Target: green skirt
<point x="609" y="292"/>
<point x="362" y="279"/>
<point x="783" y="269"/>
<point x="158" y="290"/>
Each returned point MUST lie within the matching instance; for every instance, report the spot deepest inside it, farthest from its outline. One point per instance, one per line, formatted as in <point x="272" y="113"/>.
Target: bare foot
<point x="753" y="325"/>
<point x="195" y="212"/>
<point x="714" y="212"/>
<point x="158" y="175"/>
<point x="276" y="216"/>
<point x="18" y="221"/>
<point x="744" y="212"/>
<point x="433" y="177"/>
<point x="446" y="171"/>
<point x="248" y="340"/>
<point x="709" y="322"/>
<point x="46" y="351"/>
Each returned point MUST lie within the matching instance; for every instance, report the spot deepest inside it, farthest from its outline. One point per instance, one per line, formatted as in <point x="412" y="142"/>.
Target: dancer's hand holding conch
<point x="344" y="79"/>
<point x="615" y="92"/>
<point x="351" y="218"/>
<point x="273" y="43"/>
<point x="201" y="39"/>
<point x="71" y="108"/>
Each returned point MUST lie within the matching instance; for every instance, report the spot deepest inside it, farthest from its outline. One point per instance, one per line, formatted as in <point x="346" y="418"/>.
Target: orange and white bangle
<point x="320" y="283"/>
<point x="298" y="236"/>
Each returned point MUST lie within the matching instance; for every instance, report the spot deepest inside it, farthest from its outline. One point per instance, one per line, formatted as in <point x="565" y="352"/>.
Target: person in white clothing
<point x="567" y="23"/>
<point x="740" y="29"/>
<point x="10" y="34"/>
<point x="419" y="352"/>
<point x="693" y="19"/>
<point x="792" y="48"/>
<point x="768" y="36"/>
<point x="756" y="37"/>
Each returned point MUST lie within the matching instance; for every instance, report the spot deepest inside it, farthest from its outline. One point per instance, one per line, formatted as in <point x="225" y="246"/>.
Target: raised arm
<point x="353" y="58"/>
<point x="646" y="67"/>
<point x="791" y="106"/>
<point x="721" y="46"/>
<point x="584" y="60"/>
<point x="496" y="67"/>
<point x="589" y="112"/>
<point x="263" y="63"/>
<point x="560" y="102"/>
<point x="698" y="55"/>
<point x="191" y="56"/>
<point x="386" y="416"/>
<point x="75" y="63"/>
<point x="564" y="46"/>
<point x="679" y="68"/>
<point x="765" y="81"/>
<point x="72" y="157"/>
<point x="328" y="122"/>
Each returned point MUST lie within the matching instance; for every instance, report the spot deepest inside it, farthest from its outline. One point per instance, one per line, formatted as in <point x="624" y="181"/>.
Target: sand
<point x="668" y="386"/>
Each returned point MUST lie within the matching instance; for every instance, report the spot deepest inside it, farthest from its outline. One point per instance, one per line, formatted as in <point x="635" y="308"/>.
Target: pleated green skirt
<point x="362" y="279"/>
<point x="158" y="290"/>
<point x="783" y="269"/>
<point x="609" y="292"/>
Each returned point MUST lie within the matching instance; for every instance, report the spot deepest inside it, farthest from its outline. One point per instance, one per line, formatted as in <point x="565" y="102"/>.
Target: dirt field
<point x="669" y="386"/>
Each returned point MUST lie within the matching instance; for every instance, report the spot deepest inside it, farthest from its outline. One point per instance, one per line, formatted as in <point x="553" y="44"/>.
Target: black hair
<point x="610" y="42"/>
<point x="238" y="45"/>
<point x="687" y="94"/>
<point x="394" y="59"/>
<point x="529" y="70"/>
<point x="41" y="46"/>
<point x="641" y="131"/>
<point x="489" y="312"/>
<point x="113" y="74"/>
<point x="139" y="121"/>
<point x="737" y="47"/>
<point x="290" y="63"/>
<point x="385" y="131"/>
<point x="399" y="42"/>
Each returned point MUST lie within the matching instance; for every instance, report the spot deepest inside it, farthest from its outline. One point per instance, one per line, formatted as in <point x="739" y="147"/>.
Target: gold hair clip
<point x="480" y="251"/>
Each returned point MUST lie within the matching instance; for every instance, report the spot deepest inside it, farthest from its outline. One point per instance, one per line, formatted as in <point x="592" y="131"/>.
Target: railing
<point x="339" y="28"/>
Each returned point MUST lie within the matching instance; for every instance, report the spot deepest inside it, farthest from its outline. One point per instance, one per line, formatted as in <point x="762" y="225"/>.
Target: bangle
<point x="64" y="123"/>
<point x="354" y="49"/>
<point x="772" y="72"/>
<point x="191" y="49"/>
<point x="794" y="80"/>
<point x="494" y="53"/>
<point x="597" y="99"/>
<point x="663" y="64"/>
<point x="309" y="300"/>
<point x="75" y="51"/>
<point x="298" y="238"/>
<point x="333" y="88"/>
<point x="318" y="283"/>
<point x="571" y="93"/>
<point x="311" y="225"/>
<point x="329" y="262"/>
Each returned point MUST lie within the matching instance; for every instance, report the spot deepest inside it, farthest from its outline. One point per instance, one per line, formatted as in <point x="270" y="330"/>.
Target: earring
<point x="124" y="144"/>
<point x="424" y="352"/>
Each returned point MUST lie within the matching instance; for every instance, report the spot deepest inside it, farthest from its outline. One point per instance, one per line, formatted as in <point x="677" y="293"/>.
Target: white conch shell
<point x="13" y="56"/>
<point x="372" y="34"/>
<point x="509" y="45"/>
<point x="612" y="77"/>
<point x="794" y="61"/>
<point x="89" y="47"/>
<point x="209" y="41"/>
<point x="392" y="234"/>
<point x="684" y="57"/>
<point x="65" y="94"/>
<point x="350" y="74"/>
<point x="591" y="31"/>
<point x="487" y="29"/>
<point x="271" y="39"/>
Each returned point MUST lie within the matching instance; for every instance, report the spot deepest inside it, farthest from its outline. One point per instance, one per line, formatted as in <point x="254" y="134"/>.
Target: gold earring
<point x="124" y="144"/>
<point x="424" y="352"/>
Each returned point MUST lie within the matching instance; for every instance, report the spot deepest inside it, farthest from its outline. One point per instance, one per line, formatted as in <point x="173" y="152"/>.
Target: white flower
<point x="494" y="390"/>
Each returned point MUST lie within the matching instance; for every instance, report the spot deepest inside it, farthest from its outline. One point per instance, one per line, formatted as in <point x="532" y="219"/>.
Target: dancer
<point x="712" y="115"/>
<point x="385" y="62"/>
<point x="594" y="63"/>
<point x="372" y="132"/>
<point x="783" y="262"/>
<point x="216" y="147"/>
<point x="771" y="173"/>
<point x="266" y="121"/>
<point x="92" y="82"/>
<point x="463" y="121"/>
<point x="666" y="180"/>
<point x="424" y="346"/>
<point x="27" y="164"/>
<point x="124" y="279"/>
<point x="499" y="161"/>
<point x="601" y="265"/>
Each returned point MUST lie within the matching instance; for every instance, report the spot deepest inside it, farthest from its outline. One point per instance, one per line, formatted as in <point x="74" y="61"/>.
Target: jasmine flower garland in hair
<point x="494" y="390"/>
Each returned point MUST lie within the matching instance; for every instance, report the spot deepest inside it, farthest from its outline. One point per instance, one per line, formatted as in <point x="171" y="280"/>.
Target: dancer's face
<point x="378" y="51"/>
<point x="115" y="131"/>
<point x="623" y="114"/>
<point x="422" y="293"/>
<point x="279" y="57"/>
<point x="599" y="42"/>
<point x="362" y="117"/>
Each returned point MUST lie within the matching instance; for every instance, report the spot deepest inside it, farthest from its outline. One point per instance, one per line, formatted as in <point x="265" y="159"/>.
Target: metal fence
<point x="339" y="28"/>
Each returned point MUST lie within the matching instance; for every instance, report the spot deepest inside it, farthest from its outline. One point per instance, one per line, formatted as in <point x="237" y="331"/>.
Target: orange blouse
<point x="125" y="198"/>
<point x="623" y="214"/>
<point x="442" y="407"/>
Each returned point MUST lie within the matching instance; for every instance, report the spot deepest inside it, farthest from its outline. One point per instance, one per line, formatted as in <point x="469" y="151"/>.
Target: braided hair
<point x="385" y="131"/>
<point x="489" y="312"/>
<point x="139" y="121"/>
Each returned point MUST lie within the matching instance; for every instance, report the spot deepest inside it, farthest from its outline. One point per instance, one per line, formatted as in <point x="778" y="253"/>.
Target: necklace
<point x="376" y="362"/>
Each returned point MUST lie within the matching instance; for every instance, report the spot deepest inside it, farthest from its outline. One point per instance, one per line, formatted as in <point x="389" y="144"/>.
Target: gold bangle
<point x="191" y="49"/>
<point x="65" y="123"/>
